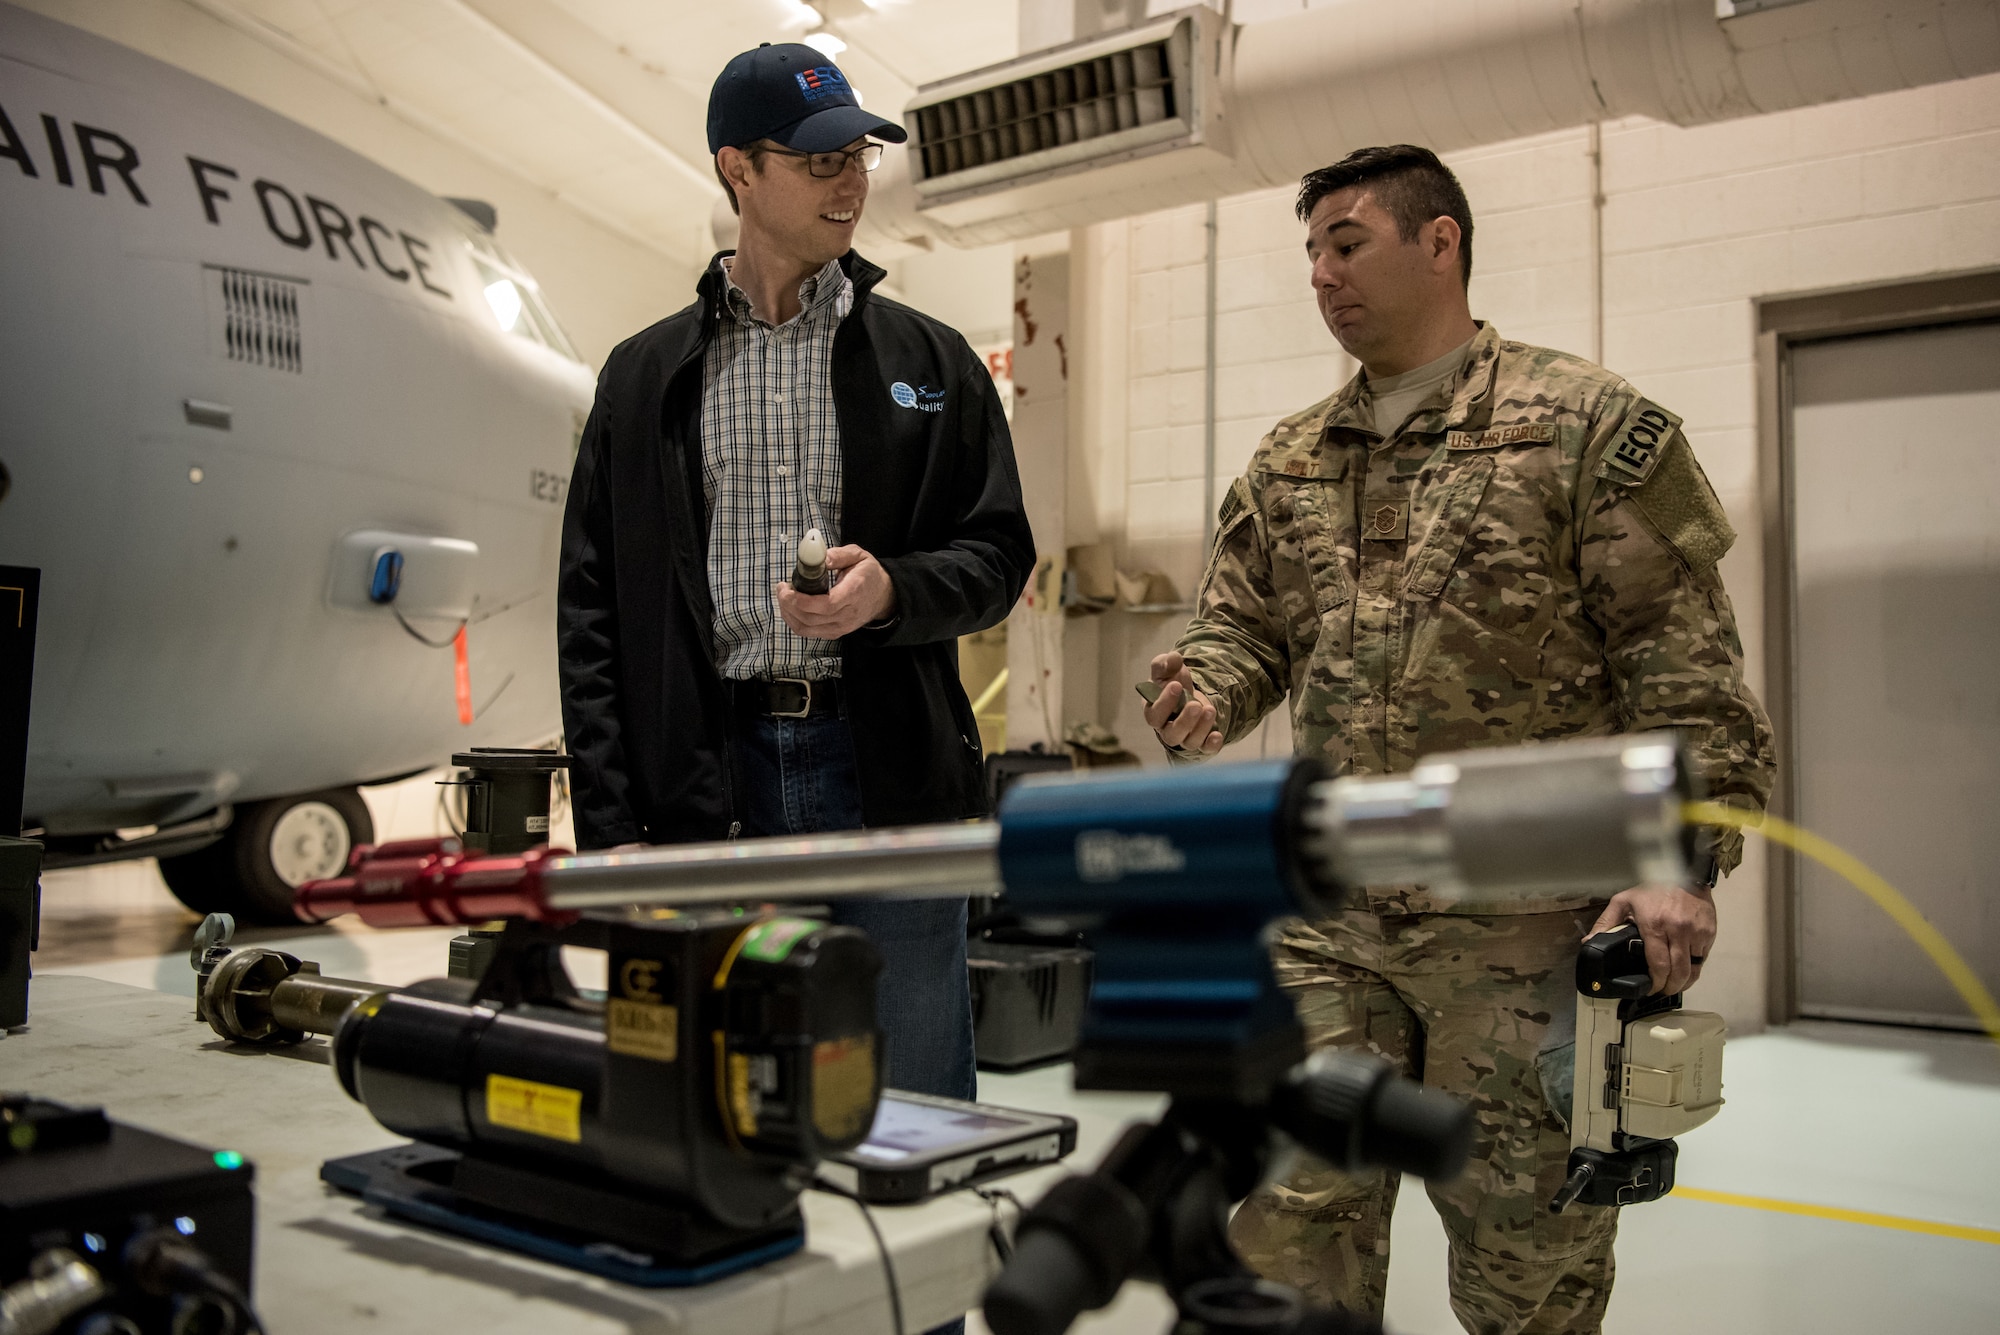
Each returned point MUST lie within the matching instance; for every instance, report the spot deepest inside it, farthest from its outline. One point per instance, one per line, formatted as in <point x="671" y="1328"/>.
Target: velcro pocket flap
<point x="1431" y="564"/>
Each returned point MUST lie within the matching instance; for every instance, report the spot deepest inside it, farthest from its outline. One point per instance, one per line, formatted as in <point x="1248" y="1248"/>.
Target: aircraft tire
<point x="271" y="847"/>
<point x="203" y="880"/>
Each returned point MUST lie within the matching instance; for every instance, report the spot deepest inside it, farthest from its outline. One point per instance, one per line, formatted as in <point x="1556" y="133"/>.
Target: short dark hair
<point x="750" y="151"/>
<point x="1410" y="183"/>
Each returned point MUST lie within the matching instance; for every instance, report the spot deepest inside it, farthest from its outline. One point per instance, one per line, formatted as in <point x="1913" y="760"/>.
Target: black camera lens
<point x="1355" y="1112"/>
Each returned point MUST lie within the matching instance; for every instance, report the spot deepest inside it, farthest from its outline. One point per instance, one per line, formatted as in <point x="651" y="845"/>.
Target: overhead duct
<point x="1185" y="107"/>
<point x="1135" y="109"/>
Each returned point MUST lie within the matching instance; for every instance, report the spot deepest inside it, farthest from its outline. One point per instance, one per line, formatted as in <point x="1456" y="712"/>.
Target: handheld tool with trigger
<point x="809" y="572"/>
<point x="1646" y="1071"/>
<point x="1149" y="691"/>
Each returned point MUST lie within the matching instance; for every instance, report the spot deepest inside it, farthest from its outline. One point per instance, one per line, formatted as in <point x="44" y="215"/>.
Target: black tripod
<point x="1157" y="1207"/>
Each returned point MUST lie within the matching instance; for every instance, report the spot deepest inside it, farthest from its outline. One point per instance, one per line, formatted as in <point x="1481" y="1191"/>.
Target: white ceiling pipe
<point x="1451" y="74"/>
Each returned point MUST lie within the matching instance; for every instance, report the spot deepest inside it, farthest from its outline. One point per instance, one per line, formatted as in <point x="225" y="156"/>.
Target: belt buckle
<point x="805" y="705"/>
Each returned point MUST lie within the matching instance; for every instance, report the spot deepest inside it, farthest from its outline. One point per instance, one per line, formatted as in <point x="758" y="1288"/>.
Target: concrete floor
<point x="1861" y="1165"/>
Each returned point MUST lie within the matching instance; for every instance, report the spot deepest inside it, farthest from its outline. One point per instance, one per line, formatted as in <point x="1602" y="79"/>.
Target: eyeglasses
<point x="835" y="162"/>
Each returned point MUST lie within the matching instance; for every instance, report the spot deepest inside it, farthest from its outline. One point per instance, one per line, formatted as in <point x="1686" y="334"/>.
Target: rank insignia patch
<point x="1385" y="520"/>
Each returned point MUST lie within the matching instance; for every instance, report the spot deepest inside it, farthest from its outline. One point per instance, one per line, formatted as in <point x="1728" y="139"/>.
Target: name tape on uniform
<point x="1524" y="433"/>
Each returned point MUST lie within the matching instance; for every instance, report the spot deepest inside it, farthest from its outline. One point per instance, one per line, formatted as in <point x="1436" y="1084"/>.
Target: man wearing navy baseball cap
<point x="790" y="96"/>
<point x="703" y="696"/>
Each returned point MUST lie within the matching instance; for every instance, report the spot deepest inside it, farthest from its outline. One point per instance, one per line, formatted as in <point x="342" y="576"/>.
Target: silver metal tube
<point x="1578" y="817"/>
<point x="913" y="862"/>
<point x="60" y="1285"/>
<point x="317" y="1005"/>
<point x="264" y="996"/>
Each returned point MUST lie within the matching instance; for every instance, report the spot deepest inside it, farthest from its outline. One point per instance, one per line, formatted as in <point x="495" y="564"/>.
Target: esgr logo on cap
<point x="793" y="95"/>
<point x="821" y="81"/>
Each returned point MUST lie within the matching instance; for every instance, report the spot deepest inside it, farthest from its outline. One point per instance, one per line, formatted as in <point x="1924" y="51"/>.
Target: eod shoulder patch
<point x="1654" y="463"/>
<point x="1636" y="452"/>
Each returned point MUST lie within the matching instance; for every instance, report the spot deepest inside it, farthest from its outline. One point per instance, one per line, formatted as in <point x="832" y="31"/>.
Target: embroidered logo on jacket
<point x="923" y="398"/>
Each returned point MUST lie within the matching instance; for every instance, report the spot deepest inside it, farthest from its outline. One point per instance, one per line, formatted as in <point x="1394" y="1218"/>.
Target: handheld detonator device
<point x="1646" y="1071"/>
<point x="809" y="572"/>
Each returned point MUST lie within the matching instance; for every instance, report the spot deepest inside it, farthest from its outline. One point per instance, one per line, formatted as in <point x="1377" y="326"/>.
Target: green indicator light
<point x="228" y="1159"/>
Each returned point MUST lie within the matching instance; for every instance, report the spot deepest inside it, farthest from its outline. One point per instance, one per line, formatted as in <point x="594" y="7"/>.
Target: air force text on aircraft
<point x="108" y="163"/>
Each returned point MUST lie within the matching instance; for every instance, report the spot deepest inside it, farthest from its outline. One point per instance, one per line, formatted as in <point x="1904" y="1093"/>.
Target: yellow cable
<point x="1886" y="897"/>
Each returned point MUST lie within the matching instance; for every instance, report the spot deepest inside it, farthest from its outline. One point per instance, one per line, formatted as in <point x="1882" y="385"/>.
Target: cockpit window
<point x="515" y="299"/>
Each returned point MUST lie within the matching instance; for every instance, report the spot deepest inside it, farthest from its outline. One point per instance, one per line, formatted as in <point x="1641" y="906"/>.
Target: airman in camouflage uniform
<point x="1531" y="556"/>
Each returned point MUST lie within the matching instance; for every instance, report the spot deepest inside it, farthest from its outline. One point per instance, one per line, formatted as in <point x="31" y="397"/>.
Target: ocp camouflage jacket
<point x="1532" y="556"/>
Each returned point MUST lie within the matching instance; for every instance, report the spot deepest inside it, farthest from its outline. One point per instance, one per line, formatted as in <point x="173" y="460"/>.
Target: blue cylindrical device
<point x="1175" y="876"/>
<point x="1085" y="848"/>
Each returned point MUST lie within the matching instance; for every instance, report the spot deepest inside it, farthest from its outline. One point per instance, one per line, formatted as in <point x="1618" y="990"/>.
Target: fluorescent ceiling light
<point x="800" y="15"/>
<point x="505" y="299"/>
<point x="825" y="43"/>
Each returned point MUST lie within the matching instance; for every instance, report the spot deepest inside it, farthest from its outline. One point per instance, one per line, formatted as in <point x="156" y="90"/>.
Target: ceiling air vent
<point x="1088" y="101"/>
<point x="989" y="148"/>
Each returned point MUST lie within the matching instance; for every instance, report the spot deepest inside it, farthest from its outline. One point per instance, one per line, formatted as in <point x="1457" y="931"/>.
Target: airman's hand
<point x="1193" y="730"/>
<point x="1676" y="924"/>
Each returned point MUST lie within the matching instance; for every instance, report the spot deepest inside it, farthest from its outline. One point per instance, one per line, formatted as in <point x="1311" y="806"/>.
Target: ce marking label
<point x="547" y="486"/>
<point x="640" y="979"/>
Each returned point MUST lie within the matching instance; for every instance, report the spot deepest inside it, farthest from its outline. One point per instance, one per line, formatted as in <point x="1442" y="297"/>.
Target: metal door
<point x="1895" y="489"/>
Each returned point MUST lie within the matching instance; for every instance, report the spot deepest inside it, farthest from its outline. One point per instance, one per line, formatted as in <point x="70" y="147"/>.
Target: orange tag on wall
<point x="462" y="673"/>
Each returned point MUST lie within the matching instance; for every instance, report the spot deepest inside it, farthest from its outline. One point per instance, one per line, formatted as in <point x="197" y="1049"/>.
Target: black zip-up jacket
<point x="931" y="491"/>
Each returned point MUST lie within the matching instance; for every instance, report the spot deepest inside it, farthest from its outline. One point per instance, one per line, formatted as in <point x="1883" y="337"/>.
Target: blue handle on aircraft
<point x="388" y="578"/>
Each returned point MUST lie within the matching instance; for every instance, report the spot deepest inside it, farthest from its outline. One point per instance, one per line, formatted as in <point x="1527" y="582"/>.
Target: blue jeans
<point x="797" y="776"/>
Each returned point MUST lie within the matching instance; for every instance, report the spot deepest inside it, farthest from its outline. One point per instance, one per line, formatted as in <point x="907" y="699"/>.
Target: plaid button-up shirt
<point x="770" y="470"/>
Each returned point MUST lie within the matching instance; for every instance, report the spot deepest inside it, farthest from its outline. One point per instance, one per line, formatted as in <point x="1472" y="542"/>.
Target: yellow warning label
<point x="844" y="1093"/>
<point x="642" y="1029"/>
<point x="539" y="1110"/>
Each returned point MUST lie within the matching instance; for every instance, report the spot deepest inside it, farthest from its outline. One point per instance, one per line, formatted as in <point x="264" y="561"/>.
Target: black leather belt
<point x="788" y="697"/>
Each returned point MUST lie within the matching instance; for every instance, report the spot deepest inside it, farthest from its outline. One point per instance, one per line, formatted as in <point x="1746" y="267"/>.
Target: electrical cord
<point x="881" y="1246"/>
<point x="451" y="794"/>
<point x="498" y="691"/>
<point x="420" y="637"/>
<point x="166" y="1265"/>
<point x="1003" y="1246"/>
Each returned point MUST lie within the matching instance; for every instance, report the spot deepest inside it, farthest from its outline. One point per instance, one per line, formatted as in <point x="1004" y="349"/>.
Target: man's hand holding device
<point x="862" y="594"/>
<point x="1189" y="730"/>
<point x="1676" y="923"/>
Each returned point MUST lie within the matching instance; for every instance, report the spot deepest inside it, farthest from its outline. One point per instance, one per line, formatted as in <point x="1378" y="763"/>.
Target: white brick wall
<point x="1697" y="223"/>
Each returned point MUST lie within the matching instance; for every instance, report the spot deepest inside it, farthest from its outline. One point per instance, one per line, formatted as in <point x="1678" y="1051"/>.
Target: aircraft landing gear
<point x="269" y="850"/>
